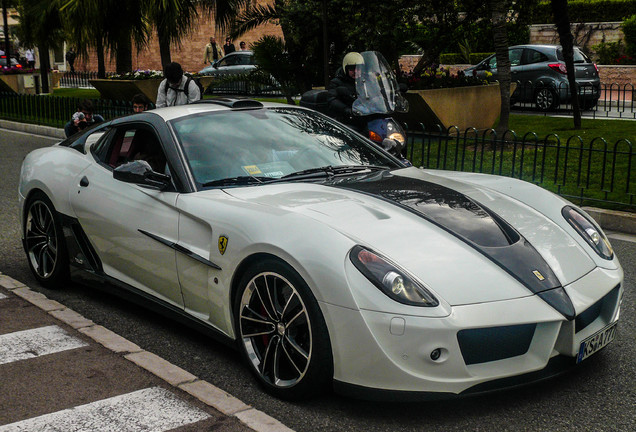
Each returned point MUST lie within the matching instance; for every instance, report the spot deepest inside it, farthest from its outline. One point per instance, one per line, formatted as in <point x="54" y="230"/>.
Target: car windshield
<point x="225" y="148"/>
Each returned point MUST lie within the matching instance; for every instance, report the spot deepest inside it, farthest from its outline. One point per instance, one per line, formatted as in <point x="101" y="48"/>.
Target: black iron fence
<point x="585" y="172"/>
<point x="596" y="100"/>
<point x="54" y="110"/>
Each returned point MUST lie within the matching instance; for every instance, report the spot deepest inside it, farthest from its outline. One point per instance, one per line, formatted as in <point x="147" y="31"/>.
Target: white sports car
<point x="327" y="261"/>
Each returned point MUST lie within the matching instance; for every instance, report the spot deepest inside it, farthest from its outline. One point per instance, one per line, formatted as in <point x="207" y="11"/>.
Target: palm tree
<point x="41" y="26"/>
<point x="119" y="24"/>
<point x="562" y="21"/>
<point x="172" y="19"/>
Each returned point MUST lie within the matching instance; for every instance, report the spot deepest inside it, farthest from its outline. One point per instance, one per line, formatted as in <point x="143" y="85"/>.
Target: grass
<point x="588" y="171"/>
<point x="77" y="93"/>
<point x="611" y="130"/>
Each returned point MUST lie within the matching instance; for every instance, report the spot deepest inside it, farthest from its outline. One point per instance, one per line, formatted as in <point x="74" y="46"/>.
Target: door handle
<point x="84" y="181"/>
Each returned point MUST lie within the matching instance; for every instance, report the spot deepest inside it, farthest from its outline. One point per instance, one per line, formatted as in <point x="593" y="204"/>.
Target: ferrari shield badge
<point x="222" y="244"/>
<point x="536" y="272"/>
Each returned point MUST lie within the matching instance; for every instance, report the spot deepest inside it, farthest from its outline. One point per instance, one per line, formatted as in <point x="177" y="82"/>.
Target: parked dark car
<point x="541" y="76"/>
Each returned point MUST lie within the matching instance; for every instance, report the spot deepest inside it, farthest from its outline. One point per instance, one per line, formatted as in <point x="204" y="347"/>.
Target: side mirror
<point x="215" y="65"/>
<point x="139" y="172"/>
<point x="403" y="88"/>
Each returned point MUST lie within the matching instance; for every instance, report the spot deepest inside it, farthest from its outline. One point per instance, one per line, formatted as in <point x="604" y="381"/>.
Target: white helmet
<point x="352" y="59"/>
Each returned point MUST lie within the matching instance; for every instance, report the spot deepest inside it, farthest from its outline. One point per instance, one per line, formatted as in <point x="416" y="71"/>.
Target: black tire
<point x="44" y="242"/>
<point x="282" y="333"/>
<point x="546" y="99"/>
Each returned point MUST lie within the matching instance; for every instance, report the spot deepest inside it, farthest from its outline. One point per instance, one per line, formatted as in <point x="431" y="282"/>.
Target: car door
<point x="533" y="69"/>
<point x="125" y="222"/>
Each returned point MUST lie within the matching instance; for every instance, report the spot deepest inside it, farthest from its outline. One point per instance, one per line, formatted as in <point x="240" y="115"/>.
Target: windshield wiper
<point x="240" y="180"/>
<point x="328" y="172"/>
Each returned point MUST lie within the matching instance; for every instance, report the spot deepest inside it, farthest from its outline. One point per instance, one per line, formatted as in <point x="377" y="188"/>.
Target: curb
<point x="49" y="131"/>
<point x="207" y="393"/>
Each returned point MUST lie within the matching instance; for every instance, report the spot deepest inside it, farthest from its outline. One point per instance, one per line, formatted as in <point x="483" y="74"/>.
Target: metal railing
<point x="604" y="100"/>
<point x="54" y="110"/>
<point x="587" y="173"/>
<point x="79" y="79"/>
<point x="245" y="88"/>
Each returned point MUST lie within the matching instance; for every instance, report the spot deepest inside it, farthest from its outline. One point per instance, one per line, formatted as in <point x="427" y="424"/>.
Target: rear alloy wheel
<point x="281" y="331"/>
<point x="546" y="99"/>
<point x="44" y="242"/>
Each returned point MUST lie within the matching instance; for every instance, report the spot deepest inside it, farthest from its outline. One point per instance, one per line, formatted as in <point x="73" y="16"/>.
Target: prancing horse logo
<point x="222" y="244"/>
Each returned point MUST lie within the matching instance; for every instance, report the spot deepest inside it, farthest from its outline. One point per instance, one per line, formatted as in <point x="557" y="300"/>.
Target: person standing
<point x="242" y="46"/>
<point x="212" y="51"/>
<point x="82" y="118"/>
<point x="176" y="88"/>
<point x="30" y="57"/>
<point x="70" y="58"/>
<point x="229" y="46"/>
<point x="140" y="103"/>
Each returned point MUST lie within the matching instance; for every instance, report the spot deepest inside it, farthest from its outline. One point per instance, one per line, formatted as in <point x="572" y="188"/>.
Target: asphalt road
<point x="599" y="395"/>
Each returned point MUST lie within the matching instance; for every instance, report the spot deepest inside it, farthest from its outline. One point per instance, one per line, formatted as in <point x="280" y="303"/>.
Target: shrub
<point x="582" y="10"/>
<point x="457" y="58"/>
<point x="629" y="30"/>
<point x="441" y="78"/>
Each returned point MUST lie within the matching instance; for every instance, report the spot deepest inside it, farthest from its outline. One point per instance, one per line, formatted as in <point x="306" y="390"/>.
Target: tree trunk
<point x="123" y="54"/>
<point x="101" y="64"/>
<point x="5" y="21"/>
<point x="562" y="21"/>
<point x="45" y="65"/>
<point x="498" y="12"/>
<point x="164" y="47"/>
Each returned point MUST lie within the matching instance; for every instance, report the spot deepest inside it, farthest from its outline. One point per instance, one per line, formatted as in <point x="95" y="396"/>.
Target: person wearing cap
<point x="342" y="88"/>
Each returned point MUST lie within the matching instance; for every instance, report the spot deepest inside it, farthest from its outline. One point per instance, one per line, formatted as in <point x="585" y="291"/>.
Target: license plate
<point x="587" y="90"/>
<point x="595" y="342"/>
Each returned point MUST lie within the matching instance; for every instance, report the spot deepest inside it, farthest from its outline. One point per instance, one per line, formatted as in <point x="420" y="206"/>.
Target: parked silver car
<point x="541" y="76"/>
<point x="237" y="62"/>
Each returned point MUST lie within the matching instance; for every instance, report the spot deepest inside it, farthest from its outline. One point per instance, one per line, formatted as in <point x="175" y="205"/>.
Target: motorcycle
<point x="378" y="98"/>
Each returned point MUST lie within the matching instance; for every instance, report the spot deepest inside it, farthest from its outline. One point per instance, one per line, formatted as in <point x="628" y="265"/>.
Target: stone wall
<point x="191" y="52"/>
<point x="586" y="35"/>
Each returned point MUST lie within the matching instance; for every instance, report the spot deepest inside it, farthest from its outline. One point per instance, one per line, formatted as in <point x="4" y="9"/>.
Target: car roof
<point x="211" y="105"/>
<point x="240" y="53"/>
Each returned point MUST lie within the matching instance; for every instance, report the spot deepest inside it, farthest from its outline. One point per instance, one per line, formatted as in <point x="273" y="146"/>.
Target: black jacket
<point x="342" y="94"/>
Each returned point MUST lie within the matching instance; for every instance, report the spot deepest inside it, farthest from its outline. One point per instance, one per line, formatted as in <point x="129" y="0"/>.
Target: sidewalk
<point x="60" y="371"/>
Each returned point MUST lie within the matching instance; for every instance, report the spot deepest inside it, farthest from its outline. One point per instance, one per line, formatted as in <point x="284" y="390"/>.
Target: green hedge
<point x="457" y="58"/>
<point x="588" y="11"/>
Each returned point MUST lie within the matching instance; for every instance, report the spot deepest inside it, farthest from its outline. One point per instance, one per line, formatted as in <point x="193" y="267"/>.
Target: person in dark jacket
<point x="342" y="88"/>
<point x="82" y="118"/>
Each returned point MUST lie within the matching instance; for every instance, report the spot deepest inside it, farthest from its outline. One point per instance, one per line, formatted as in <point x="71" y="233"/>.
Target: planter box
<point x="464" y="107"/>
<point x="124" y="90"/>
<point x="19" y="83"/>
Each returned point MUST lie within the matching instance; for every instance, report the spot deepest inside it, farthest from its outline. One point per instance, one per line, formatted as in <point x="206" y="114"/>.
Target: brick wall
<point x="585" y="35"/>
<point x="190" y="54"/>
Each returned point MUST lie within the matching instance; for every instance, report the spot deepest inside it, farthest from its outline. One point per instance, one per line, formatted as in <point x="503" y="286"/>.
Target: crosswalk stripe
<point x="36" y="342"/>
<point x="148" y="410"/>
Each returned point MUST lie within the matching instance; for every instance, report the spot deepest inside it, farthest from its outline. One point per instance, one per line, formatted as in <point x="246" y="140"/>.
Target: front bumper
<point x="520" y="340"/>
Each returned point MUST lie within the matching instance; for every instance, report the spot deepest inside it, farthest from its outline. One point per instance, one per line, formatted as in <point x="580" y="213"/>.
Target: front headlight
<point x="589" y="231"/>
<point x="395" y="132"/>
<point x="394" y="282"/>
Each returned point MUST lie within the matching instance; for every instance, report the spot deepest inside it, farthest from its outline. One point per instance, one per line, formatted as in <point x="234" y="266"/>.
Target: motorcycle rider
<point x="342" y="88"/>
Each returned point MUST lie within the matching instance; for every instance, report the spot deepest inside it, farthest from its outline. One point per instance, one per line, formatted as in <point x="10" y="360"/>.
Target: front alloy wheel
<point x="44" y="244"/>
<point x="282" y="332"/>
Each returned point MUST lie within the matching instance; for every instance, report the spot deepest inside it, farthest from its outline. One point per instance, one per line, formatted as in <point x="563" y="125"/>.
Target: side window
<point x="133" y="143"/>
<point x="515" y="56"/>
<point x="534" y="56"/>
<point x="492" y="63"/>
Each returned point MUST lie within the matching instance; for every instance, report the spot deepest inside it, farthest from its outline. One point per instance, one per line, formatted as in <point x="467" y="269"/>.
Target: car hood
<point x="495" y="247"/>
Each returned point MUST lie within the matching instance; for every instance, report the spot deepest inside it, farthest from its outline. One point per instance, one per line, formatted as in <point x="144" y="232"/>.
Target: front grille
<point x="606" y="303"/>
<point x="494" y="343"/>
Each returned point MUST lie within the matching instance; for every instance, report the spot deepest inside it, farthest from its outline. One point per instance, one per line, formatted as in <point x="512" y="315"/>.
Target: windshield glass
<point x="377" y="88"/>
<point x="267" y="144"/>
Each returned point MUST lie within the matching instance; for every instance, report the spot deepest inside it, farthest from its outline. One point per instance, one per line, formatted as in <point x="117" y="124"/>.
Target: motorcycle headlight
<point x="589" y="231"/>
<point x="395" y="132"/>
<point x="390" y="279"/>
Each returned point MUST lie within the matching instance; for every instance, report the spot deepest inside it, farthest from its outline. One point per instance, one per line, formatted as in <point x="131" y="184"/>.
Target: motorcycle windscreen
<point x="377" y="88"/>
